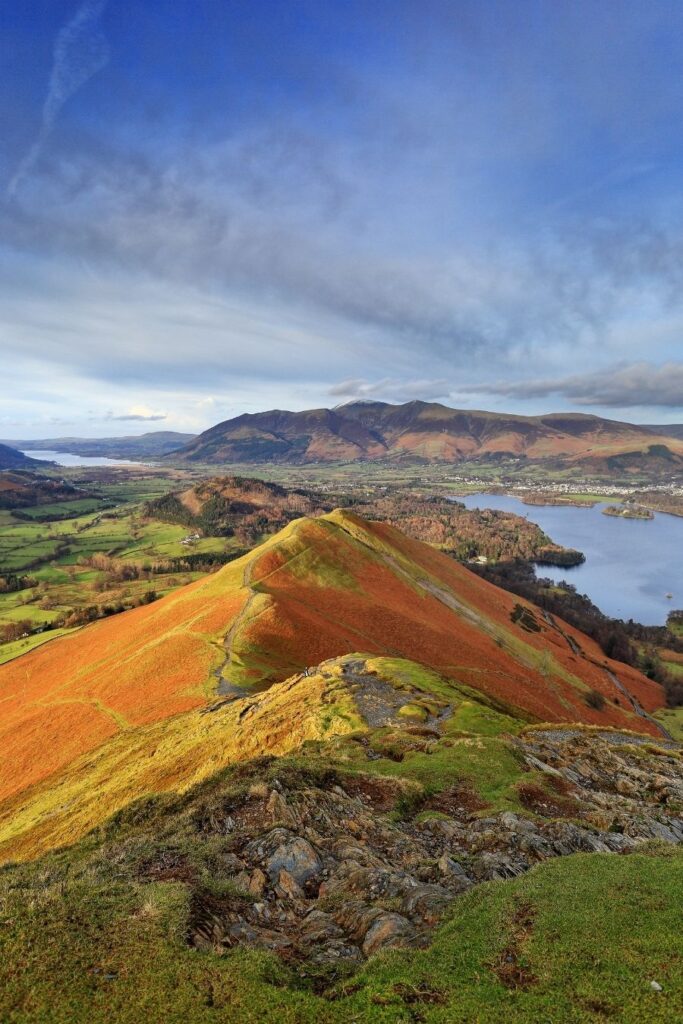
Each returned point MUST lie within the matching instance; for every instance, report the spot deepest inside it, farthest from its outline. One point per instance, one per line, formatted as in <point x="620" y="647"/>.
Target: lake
<point x="631" y="564"/>
<point x="66" y="459"/>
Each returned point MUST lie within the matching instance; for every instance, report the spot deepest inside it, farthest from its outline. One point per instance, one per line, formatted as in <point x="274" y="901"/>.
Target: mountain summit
<point x="132" y="704"/>
<point x="427" y="432"/>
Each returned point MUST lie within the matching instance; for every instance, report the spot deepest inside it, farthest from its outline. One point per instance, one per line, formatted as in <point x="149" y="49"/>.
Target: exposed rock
<point x="388" y="930"/>
<point x="455" y="873"/>
<point x="257" y="882"/>
<point x="284" y="850"/>
<point x="346" y="880"/>
<point x="319" y="927"/>
<point x="428" y="902"/>
<point x="288" y="887"/>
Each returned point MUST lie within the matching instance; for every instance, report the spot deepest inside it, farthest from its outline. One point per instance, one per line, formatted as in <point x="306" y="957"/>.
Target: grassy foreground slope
<point x="105" y="931"/>
<point x="603" y="928"/>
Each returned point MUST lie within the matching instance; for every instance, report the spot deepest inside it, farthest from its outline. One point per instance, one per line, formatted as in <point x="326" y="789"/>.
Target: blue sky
<point x="212" y="207"/>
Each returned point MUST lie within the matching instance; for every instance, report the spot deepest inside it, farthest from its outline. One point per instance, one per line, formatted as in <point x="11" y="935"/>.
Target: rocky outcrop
<point x="323" y="876"/>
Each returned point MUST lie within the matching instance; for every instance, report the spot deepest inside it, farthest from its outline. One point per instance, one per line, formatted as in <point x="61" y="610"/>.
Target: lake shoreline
<point x="67" y="460"/>
<point x="628" y="571"/>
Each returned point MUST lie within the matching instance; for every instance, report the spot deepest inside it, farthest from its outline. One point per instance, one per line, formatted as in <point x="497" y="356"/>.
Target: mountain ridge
<point x="428" y="432"/>
<point x="317" y="590"/>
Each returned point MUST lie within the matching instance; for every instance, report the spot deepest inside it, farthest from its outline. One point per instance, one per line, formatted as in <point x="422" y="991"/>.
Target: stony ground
<point x="333" y="874"/>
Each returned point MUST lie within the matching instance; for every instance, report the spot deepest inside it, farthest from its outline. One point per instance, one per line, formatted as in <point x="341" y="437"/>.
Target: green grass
<point x="14" y="650"/>
<point x="672" y="719"/>
<point x="65" y="509"/>
<point x="84" y="941"/>
<point x="485" y="764"/>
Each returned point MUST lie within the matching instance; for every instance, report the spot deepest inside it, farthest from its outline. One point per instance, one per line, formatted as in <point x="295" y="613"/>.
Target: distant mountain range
<point x="143" y="446"/>
<point x="430" y="432"/>
<point x="421" y="432"/>
<point x="665" y="429"/>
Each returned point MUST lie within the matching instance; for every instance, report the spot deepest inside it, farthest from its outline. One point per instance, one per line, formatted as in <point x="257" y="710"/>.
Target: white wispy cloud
<point x="391" y="390"/>
<point x="138" y="412"/>
<point x="80" y="51"/>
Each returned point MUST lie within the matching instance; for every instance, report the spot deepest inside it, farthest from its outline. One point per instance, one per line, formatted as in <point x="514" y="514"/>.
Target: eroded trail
<point x="636" y="705"/>
<point x="225" y="687"/>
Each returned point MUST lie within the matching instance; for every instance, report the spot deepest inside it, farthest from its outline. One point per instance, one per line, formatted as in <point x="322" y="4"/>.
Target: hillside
<point x="235" y="506"/>
<point x="21" y="489"/>
<point x="251" y="509"/>
<point x="11" y="458"/>
<point x="84" y="713"/>
<point x="430" y="432"/>
<point x="666" y="429"/>
<point x="496" y="868"/>
<point x="138" y="446"/>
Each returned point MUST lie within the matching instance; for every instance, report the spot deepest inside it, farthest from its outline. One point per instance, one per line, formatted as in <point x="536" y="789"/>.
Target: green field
<point x="50" y="543"/>
<point x="672" y="719"/>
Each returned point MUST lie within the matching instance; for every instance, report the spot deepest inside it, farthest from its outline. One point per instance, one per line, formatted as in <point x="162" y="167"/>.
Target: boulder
<point x="283" y="850"/>
<point x="388" y="931"/>
<point x="428" y="902"/>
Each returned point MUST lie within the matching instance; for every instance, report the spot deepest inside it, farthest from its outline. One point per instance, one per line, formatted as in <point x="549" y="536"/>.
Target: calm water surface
<point x="631" y="564"/>
<point x="66" y="459"/>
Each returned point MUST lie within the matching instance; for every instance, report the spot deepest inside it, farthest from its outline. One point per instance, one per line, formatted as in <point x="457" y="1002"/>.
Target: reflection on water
<point x="67" y="459"/>
<point x="631" y="564"/>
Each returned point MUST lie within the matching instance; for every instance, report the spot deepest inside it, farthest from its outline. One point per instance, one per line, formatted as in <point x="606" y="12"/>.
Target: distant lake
<point x="66" y="459"/>
<point x="631" y="564"/>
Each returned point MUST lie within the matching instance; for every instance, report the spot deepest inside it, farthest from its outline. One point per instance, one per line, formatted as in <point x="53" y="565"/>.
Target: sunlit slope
<point x="425" y="430"/>
<point x="135" y="668"/>
<point x="318" y="589"/>
<point x="173" y="755"/>
<point x="338" y="583"/>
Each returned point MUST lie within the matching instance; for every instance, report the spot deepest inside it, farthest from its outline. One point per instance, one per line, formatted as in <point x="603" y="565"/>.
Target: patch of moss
<point x="413" y="711"/>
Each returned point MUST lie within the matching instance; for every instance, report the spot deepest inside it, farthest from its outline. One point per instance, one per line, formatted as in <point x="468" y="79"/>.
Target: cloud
<point x="80" y="51"/>
<point x="391" y="390"/>
<point x="636" y="384"/>
<point x="138" y="412"/>
<point x="218" y="227"/>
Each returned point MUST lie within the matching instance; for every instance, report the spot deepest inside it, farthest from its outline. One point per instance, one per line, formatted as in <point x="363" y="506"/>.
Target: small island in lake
<point x="565" y="558"/>
<point x="628" y="512"/>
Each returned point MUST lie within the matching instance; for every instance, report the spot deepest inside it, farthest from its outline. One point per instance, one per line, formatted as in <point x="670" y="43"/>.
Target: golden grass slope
<point x="129" y="670"/>
<point x="173" y="755"/>
<point x="318" y="589"/>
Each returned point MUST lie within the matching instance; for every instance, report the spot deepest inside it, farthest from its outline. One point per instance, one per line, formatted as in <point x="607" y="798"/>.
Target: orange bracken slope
<point x="318" y="589"/>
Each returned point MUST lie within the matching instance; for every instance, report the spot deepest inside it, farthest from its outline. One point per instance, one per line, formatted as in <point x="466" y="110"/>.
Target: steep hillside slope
<point x="318" y="589"/>
<point x="426" y="431"/>
<point x="11" y="458"/>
